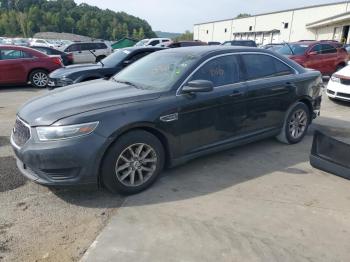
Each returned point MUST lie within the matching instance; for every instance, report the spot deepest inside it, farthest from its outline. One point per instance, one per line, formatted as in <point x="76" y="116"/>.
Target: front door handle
<point x="236" y="93"/>
<point x="289" y="84"/>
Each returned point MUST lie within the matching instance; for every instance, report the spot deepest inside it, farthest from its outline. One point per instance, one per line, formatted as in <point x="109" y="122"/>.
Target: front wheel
<point x="133" y="163"/>
<point x="295" y="125"/>
<point x="39" y="78"/>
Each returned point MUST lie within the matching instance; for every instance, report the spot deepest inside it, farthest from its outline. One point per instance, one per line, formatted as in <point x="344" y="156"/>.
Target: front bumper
<point x="62" y="162"/>
<point x="338" y="91"/>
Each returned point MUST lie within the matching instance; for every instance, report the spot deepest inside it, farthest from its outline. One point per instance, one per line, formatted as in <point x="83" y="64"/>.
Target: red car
<point x="324" y="56"/>
<point x="20" y="65"/>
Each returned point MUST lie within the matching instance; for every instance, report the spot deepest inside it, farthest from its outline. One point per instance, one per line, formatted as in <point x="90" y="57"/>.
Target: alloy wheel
<point x="40" y="79"/>
<point x="298" y="124"/>
<point x="136" y="165"/>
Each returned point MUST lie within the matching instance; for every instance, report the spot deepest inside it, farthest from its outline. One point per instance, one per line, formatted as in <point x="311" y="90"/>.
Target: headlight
<point x="65" y="81"/>
<point x="335" y="79"/>
<point x="47" y="133"/>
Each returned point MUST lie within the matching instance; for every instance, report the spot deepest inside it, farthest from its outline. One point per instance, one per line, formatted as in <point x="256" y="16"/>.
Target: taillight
<point x="57" y="61"/>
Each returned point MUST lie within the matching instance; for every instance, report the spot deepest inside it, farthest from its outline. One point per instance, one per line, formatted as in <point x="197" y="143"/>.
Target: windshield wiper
<point x="127" y="83"/>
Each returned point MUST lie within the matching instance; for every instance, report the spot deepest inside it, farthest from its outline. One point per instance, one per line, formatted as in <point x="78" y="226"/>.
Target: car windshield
<point x="292" y="49"/>
<point x="115" y="58"/>
<point x="142" y="42"/>
<point x="157" y="71"/>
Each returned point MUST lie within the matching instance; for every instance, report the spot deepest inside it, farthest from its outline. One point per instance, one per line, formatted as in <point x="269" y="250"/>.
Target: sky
<point x="180" y="15"/>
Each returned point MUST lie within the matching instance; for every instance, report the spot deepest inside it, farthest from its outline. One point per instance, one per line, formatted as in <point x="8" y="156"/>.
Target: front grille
<point x="20" y="133"/>
<point x="345" y="81"/>
<point x="330" y="92"/>
<point x="343" y="95"/>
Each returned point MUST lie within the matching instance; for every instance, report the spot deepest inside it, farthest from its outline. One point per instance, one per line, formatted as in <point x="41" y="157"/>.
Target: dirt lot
<point x="42" y="224"/>
<point x="38" y="223"/>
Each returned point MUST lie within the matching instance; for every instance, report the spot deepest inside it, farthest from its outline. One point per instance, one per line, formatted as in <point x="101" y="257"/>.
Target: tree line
<point x="27" y="17"/>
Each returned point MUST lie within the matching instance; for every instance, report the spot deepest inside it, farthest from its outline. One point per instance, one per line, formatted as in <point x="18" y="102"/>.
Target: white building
<point x="319" y="22"/>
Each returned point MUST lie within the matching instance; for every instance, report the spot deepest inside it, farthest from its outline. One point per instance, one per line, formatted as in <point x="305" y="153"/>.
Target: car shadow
<point x="26" y="88"/>
<point x="217" y="172"/>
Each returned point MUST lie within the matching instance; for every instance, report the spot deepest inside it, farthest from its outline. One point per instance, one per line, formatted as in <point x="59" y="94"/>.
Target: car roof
<point x="312" y="42"/>
<point x="143" y="48"/>
<point x="204" y="50"/>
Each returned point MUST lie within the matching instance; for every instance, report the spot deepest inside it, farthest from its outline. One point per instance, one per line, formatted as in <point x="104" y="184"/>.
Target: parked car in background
<point x="41" y="42"/>
<point x="165" y="109"/>
<point x="249" y="43"/>
<point x="67" y="58"/>
<point x="88" y="52"/>
<point x="214" y="43"/>
<point x="324" y="56"/>
<point x="339" y="85"/>
<point x="272" y="47"/>
<point x="106" y="68"/>
<point x="20" y="65"/>
<point x="152" y="41"/>
<point x="186" y="44"/>
<point x="20" y="42"/>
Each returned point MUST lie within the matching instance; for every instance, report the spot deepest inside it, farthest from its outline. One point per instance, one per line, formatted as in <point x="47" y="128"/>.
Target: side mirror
<point x="313" y="53"/>
<point x="197" y="86"/>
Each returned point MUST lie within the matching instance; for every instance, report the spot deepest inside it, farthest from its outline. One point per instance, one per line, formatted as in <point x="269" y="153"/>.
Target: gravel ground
<point x="39" y="223"/>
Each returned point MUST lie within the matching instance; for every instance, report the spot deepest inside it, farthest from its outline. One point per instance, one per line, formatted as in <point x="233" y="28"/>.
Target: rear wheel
<point x="133" y="163"/>
<point x="39" y="78"/>
<point x="295" y="125"/>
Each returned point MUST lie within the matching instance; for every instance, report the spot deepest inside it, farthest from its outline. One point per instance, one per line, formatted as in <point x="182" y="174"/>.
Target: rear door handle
<point x="236" y="93"/>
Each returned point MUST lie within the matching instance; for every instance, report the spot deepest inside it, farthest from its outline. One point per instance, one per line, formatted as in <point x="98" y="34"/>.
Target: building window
<point x="250" y="28"/>
<point x="207" y="31"/>
<point x="286" y="25"/>
<point x="225" y="30"/>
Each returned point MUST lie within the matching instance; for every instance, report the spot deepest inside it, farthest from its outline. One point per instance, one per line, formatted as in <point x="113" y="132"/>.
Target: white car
<point x="41" y="42"/>
<point x="339" y="85"/>
<point x="152" y="41"/>
<point x="88" y="52"/>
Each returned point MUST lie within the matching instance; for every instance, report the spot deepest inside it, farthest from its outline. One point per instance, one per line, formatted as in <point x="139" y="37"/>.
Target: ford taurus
<point x="165" y="109"/>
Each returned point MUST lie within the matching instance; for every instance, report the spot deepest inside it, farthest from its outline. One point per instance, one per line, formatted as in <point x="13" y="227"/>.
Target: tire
<point x="39" y="78"/>
<point x="301" y="113"/>
<point x="99" y="58"/>
<point x="128" y="179"/>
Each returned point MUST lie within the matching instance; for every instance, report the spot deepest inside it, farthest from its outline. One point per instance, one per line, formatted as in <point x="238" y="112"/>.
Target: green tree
<point x="187" y="36"/>
<point x="141" y="34"/>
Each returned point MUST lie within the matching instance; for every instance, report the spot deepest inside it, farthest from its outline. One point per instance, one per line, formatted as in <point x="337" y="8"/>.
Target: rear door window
<point x="328" y="49"/>
<point x="221" y="71"/>
<point x="263" y="66"/>
<point x="8" y="54"/>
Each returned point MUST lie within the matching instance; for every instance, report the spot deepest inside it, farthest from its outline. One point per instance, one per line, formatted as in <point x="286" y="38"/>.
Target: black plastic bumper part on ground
<point x="330" y="155"/>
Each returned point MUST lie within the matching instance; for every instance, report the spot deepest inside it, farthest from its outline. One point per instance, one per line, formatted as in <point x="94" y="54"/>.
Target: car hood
<point x="66" y="71"/>
<point x="345" y="72"/>
<point x="64" y="102"/>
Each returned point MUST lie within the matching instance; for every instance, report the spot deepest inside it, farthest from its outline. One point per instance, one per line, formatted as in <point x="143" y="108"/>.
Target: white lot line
<point x="6" y="151"/>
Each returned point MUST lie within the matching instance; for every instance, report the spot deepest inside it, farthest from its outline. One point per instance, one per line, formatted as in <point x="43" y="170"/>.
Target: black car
<point x="249" y="43"/>
<point x="167" y="108"/>
<point x="106" y="68"/>
<point x="67" y="58"/>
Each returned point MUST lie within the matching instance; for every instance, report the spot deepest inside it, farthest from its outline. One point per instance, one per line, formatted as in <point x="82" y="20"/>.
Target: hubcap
<point x="40" y="79"/>
<point x="136" y="164"/>
<point x="298" y="124"/>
